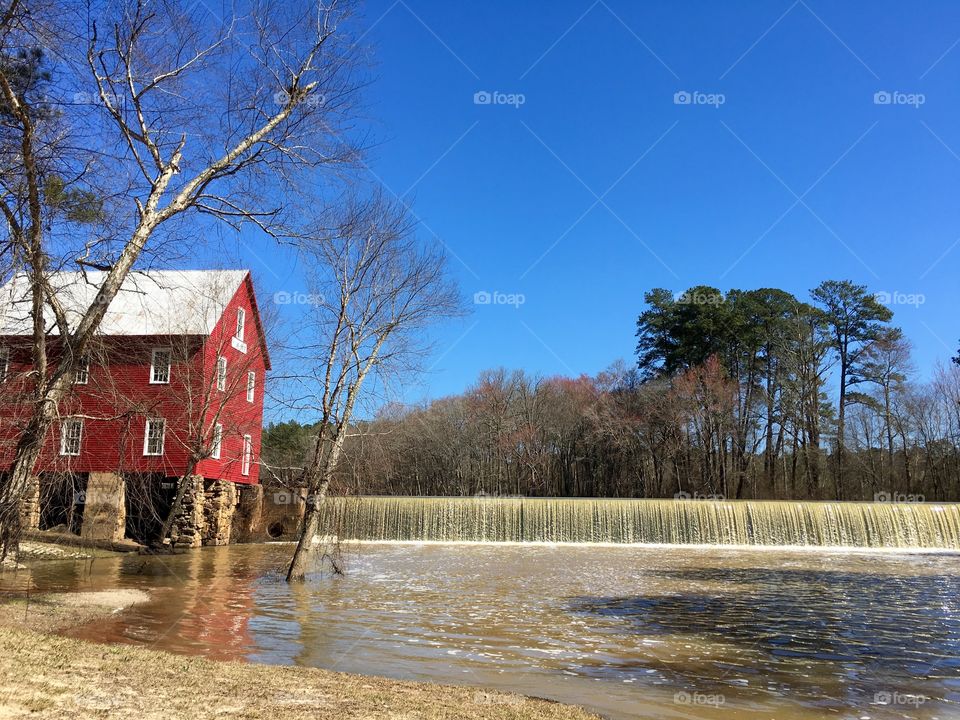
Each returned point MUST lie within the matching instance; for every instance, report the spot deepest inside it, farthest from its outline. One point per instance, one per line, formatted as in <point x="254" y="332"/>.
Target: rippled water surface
<point x="629" y="632"/>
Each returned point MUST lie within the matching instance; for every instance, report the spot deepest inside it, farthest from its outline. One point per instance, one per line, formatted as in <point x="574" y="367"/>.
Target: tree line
<point x="744" y="394"/>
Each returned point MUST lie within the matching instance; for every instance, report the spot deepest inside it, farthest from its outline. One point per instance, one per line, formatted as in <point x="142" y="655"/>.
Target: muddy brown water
<point x="630" y="632"/>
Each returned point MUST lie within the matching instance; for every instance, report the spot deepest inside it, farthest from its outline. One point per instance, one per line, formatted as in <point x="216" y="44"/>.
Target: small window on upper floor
<point x="247" y="457"/>
<point x="216" y="445"/>
<point x="71" y="433"/>
<point x="251" y="385"/>
<point x="160" y="366"/>
<point x="4" y="363"/>
<point x="82" y="374"/>
<point x="241" y="322"/>
<point x="221" y="373"/>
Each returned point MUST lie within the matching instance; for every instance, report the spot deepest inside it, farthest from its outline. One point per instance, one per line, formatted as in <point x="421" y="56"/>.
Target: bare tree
<point x="887" y="364"/>
<point x="191" y="117"/>
<point x="375" y="289"/>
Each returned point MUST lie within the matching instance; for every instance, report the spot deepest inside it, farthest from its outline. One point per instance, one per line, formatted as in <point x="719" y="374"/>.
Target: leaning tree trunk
<point x="317" y="484"/>
<point x="29" y="445"/>
<point x="322" y="468"/>
<point x="311" y="524"/>
<point x="311" y="519"/>
<point x="182" y="484"/>
<point x="15" y="488"/>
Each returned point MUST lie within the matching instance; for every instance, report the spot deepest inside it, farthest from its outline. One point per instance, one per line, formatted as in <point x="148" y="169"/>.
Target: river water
<point x="630" y="632"/>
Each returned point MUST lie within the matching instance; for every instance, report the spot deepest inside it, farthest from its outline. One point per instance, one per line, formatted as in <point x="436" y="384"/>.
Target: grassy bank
<point x="48" y="676"/>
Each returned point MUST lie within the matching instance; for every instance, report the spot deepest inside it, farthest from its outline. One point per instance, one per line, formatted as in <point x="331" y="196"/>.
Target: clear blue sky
<point x="798" y="176"/>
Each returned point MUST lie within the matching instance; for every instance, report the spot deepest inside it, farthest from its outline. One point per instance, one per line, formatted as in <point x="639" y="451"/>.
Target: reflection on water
<point x="628" y="631"/>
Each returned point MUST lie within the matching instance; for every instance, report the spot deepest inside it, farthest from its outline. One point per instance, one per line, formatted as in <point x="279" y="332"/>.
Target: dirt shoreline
<point x="44" y="675"/>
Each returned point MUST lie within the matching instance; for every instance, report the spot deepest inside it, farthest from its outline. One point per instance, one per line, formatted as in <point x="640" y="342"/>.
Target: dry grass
<point x="48" y="676"/>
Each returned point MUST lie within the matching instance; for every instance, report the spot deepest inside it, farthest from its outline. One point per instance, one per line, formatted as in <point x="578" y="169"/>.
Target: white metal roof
<point x="154" y="302"/>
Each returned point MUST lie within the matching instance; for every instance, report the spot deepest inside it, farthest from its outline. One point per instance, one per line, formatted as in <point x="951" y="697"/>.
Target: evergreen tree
<point x="855" y="319"/>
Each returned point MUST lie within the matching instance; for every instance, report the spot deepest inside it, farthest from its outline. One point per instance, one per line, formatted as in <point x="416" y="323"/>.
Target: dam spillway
<point x="645" y="521"/>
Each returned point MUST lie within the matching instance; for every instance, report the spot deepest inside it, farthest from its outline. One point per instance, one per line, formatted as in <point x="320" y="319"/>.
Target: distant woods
<point x="744" y="394"/>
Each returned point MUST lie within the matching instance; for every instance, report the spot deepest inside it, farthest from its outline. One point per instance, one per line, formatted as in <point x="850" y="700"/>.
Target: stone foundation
<point x="283" y="511"/>
<point x="269" y="511"/>
<point x="219" y="504"/>
<point x="206" y="515"/>
<point x="248" y="519"/>
<point x="189" y="523"/>
<point x="30" y="505"/>
<point x="104" y="507"/>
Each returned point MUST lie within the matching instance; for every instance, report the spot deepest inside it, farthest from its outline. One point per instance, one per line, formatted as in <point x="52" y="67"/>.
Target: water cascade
<point x="684" y="522"/>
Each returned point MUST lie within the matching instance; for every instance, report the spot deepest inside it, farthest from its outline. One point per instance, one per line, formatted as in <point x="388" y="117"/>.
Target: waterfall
<point x="674" y="522"/>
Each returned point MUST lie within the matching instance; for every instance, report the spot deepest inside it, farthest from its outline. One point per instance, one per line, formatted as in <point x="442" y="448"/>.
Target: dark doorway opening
<point x="149" y="499"/>
<point x="61" y="501"/>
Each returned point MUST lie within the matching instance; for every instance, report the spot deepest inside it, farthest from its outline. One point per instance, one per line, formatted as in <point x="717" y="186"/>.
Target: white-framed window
<point x="82" y="375"/>
<point x="4" y="363"/>
<point x="160" y="366"/>
<point x="221" y="373"/>
<point x="251" y="385"/>
<point x="241" y="322"/>
<point x="71" y="433"/>
<point x="247" y="455"/>
<point x="153" y="436"/>
<point x="217" y="445"/>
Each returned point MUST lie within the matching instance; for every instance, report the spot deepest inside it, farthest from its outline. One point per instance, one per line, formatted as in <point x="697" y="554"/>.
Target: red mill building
<point x="176" y="373"/>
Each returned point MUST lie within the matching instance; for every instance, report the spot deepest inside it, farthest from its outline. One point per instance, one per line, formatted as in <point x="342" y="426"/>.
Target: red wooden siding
<point x="238" y="416"/>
